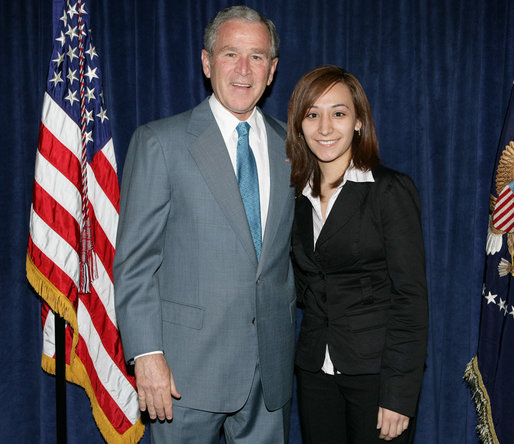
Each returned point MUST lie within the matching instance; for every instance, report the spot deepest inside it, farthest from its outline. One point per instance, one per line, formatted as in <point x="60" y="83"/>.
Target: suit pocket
<point x="368" y="332"/>
<point x="182" y="314"/>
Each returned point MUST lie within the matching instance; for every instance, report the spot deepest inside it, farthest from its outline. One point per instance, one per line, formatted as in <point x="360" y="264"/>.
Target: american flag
<point x="73" y="224"/>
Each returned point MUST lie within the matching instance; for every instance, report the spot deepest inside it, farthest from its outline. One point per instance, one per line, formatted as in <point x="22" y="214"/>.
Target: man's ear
<point x="272" y="70"/>
<point x="206" y="63"/>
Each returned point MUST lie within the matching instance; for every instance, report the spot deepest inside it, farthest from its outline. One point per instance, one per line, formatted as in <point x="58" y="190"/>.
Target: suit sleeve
<point x="145" y="205"/>
<point x="405" y="346"/>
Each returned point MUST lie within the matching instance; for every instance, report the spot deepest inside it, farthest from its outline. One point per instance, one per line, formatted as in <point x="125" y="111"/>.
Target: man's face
<point x="241" y="65"/>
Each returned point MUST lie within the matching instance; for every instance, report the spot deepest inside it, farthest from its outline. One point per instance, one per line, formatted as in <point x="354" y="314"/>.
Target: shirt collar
<point x="352" y="174"/>
<point x="226" y="121"/>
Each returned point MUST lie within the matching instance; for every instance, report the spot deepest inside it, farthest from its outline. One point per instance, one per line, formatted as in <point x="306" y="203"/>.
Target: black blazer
<point x="363" y="288"/>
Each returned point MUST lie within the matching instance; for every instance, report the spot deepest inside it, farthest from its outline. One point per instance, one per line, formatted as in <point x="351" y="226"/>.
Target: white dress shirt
<point x="354" y="175"/>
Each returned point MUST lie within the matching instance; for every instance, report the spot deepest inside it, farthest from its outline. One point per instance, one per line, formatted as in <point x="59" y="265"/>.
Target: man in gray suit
<point x="204" y="289"/>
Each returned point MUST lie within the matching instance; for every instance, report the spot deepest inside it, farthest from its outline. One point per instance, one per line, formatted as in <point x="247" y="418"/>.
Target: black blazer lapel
<point x="303" y="224"/>
<point x="349" y="201"/>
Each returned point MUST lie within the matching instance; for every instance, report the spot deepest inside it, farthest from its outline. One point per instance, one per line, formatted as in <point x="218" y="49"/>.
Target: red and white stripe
<point x="503" y="215"/>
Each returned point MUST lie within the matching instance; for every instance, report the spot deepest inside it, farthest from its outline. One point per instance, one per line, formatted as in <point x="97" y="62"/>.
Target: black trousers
<point x="341" y="409"/>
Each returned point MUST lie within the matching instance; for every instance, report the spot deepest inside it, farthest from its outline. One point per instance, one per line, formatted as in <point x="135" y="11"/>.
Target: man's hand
<point x="391" y="424"/>
<point x="155" y="386"/>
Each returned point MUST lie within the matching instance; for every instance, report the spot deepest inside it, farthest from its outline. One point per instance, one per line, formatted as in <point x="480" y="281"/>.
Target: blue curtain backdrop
<point x="438" y="76"/>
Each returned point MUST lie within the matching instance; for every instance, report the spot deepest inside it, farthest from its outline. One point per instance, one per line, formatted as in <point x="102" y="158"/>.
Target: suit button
<point x="323" y="298"/>
<point x="259" y="281"/>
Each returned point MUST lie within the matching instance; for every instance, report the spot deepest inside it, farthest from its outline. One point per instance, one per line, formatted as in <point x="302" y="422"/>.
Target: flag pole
<point x="60" y="379"/>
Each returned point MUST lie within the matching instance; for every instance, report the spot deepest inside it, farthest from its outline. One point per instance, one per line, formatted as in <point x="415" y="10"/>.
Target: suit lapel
<point x="280" y="173"/>
<point x="348" y="202"/>
<point x="303" y="222"/>
<point x="212" y="158"/>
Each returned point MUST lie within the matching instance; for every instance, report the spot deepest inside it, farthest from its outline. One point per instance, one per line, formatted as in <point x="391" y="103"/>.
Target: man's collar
<point x="225" y="117"/>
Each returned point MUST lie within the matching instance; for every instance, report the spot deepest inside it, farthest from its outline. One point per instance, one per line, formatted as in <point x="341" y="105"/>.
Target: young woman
<point x="359" y="265"/>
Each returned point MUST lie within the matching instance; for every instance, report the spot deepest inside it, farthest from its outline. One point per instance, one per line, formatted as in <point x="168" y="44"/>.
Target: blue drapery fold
<point x="437" y="75"/>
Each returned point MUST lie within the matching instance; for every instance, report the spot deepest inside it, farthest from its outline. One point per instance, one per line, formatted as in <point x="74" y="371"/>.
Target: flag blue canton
<point x="64" y="77"/>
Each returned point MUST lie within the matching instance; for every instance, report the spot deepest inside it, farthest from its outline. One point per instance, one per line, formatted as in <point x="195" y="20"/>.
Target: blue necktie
<point x="248" y="180"/>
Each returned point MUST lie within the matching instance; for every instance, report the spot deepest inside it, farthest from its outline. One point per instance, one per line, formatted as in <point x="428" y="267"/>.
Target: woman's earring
<point x="359" y="132"/>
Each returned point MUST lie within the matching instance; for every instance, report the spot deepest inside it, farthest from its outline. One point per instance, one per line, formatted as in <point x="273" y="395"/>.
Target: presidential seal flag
<point x="73" y="224"/>
<point x="490" y="372"/>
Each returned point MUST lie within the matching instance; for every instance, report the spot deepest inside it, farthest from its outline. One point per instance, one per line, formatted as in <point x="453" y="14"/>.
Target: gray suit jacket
<point x="186" y="275"/>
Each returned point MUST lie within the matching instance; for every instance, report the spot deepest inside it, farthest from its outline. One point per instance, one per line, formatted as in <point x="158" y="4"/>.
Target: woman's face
<point x="329" y="126"/>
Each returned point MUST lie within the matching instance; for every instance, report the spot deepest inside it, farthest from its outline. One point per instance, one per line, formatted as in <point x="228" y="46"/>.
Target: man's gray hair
<point x="238" y="13"/>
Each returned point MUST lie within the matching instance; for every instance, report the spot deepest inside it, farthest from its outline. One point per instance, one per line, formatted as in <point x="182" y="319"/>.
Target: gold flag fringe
<point x="57" y="301"/>
<point x="76" y="371"/>
<point x="77" y="374"/>
<point x="485" y="426"/>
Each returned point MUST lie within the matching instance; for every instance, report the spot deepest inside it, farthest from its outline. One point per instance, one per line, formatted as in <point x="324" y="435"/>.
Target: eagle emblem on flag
<point x="501" y="220"/>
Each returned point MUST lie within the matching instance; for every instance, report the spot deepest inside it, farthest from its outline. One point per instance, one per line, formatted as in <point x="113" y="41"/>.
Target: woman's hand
<point x="391" y="424"/>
